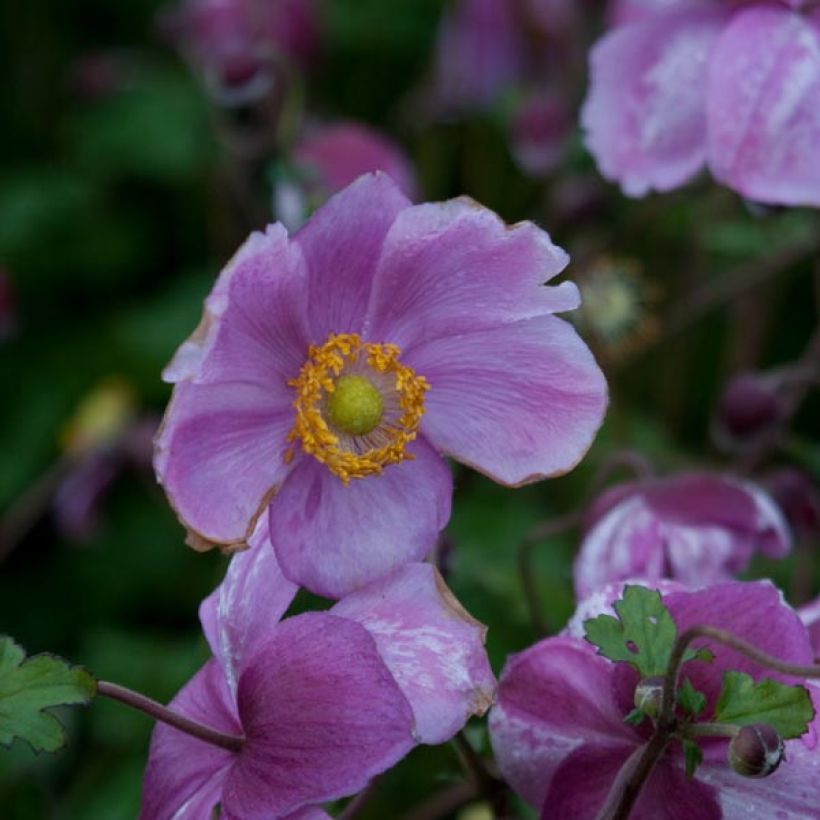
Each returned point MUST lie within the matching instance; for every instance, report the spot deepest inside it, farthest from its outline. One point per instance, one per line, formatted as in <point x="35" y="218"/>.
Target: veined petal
<point x="552" y="699"/>
<point x="254" y="327"/>
<point x="583" y="781"/>
<point x="454" y="267"/>
<point x="764" y="106"/>
<point x="431" y="645"/>
<point x="342" y="244"/>
<point x="240" y="613"/>
<point x="333" y="538"/>
<point x="184" y="775"/>
<point x="220" y="454"/>
<point x="322" y="715"/>
<point x="518" y="402"/>
<point x="645" y="114"/>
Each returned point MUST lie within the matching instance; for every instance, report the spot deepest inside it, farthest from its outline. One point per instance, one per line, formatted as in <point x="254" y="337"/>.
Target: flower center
<point x="357" y="406"/>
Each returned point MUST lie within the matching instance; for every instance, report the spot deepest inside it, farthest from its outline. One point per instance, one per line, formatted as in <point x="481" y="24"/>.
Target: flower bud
<point x="747" y="408"/>
<point x="649" y="695"/>
<point x="799" y="499"/>
<point x="756" y="750"/>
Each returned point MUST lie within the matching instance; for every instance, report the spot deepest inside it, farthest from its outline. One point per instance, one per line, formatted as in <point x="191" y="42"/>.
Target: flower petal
<point x="241" y="612"/>
<point x="431" y="645"/>
<point x="764" y="106"/>
<point x="184" y="775"/>
<point x="254" y="327"/>
<point x="754" y="612"/>
<point x="552" y="699"/>
<point x="219" y="455"/>
<point x="583" y="781"/>
<point x="645" y="114"/>
<point x="454" y="267"/>
<point x="517" y="402"/>
<point x="342" y="243"/>
<point x="322" y="715"/>
<point x="333" y="538"/>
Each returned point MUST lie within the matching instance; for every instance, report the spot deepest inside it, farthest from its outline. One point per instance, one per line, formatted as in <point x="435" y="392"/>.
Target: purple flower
<point x="680" y="84"/>
<point x="560" y="739"/>
<point x="331" y="369"/>
<point x="324" y="700"/>
<point x="331" y="157"/>
<point x="696" y="528"/>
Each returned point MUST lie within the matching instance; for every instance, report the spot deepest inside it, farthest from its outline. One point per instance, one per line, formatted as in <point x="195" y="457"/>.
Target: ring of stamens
<point x="402" y="392"/>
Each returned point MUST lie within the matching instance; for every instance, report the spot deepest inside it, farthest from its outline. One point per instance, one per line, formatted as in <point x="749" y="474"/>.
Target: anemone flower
<point x="322" y="701"/>
<point x="696" y="528"/>
<point x="332" y="370"/>
<point x="677" y="85"/>
<point x="559" y="734"/>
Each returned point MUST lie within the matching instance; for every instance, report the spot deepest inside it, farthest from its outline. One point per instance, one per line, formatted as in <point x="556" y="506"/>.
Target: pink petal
<point x="517" y="402"/>
<point x="552" y="699"/>
<point x="645" y="114"/>
<point x="322" y="715"/>
<point x="754" y="612"/>
<point x="254" y="325"/>
<point x="583" y="781"/>
<point x="810" y="615"/>
<point x="333" y="538"/>
<point x="454" y="267"/>
<point x="627" y="11"/>
<point x="764" y="106"/>
<point x="342" y="243"/>
<point x="219" y="455"/>
<point x="431" y="645"/>
<point x="185" y="774"/>
<point x="241" y="612"/>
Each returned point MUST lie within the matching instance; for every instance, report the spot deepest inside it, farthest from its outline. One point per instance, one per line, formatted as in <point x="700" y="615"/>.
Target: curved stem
<point x="233" y="743"/>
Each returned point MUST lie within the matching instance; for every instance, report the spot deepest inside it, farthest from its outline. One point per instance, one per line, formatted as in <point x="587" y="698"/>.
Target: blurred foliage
<point x="115" y="218"/>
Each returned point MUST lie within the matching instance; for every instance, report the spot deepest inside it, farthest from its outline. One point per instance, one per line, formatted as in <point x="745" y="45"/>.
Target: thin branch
<point x="233" y="743"/>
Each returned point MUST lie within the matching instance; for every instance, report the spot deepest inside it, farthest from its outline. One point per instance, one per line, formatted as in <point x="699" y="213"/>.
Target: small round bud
<point x="747" y="408"/>
<point x="799" y="498"/>
<point x="756" y="750"/>
<point x="649" y="695"/>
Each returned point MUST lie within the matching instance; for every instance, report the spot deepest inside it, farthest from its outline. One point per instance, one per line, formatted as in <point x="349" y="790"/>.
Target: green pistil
<point x="355" y="406"/>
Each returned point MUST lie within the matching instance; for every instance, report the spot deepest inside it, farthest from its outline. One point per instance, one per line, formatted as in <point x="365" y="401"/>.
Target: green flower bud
<point x="649" y="695"/>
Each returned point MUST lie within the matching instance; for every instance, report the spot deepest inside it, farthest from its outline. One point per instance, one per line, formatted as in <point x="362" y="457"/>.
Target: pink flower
<point x="559" y="734"/>
<point x="332" y="369"/>
<point x="696" y="528"/>
<point x="331" y="157"/>
<point x="680" y="84"/>
<point x="324" y="700"/>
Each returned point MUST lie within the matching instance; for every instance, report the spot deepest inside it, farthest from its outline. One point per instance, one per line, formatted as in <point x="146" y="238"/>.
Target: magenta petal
<point x="581" y="784"/>
<point x="219" y="455"/>
<point x="254" y="324"/>
<point x="322" y="715"/>
<point x="183" y="771"/>
<point x="342" y="243"/>
<point x="552" y="699"/>
<point x="810" y="615"/>
<point x="454" y="267"/>
<point x="645" y="114"/>
<point x="519" y="402"/>
<point x="754" y="612"/>
<point x="241" y="612"/>
<point x="333" y="538"/>
<point x="764" y="106"/>
<point x="431" y="645"/>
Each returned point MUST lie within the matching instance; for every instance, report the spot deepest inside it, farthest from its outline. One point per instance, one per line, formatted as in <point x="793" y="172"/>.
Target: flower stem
<point x="693" y="730"/>
<point x="233" y="743"/>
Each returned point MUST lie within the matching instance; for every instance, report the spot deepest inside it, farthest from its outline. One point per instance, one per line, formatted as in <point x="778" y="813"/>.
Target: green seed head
<point x="355" y="406"/>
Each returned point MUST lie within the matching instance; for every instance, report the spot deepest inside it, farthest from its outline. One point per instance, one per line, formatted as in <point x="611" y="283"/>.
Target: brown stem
<point x="490" y="787"/>
<point x="233" y="743"/>
<point x="354" y="807"/>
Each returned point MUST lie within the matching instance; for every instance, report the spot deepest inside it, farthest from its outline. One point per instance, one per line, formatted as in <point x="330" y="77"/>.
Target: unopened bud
<point x="747" y="408"/>
<point x="756" y="750"/>
<point x="649" y="695"/>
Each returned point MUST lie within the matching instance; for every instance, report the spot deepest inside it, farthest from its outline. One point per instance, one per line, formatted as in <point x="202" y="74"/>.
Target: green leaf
<point x="642" y="635"/>
<point x="742" y="701"/>
<point x="690" y="699"/>
<point x="635" y="717"/>
<point x="28" y="687"/>
<point x="693" y="756"/>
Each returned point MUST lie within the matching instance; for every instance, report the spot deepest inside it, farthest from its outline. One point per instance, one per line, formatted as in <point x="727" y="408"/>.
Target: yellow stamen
<point x="352" y="431"/>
